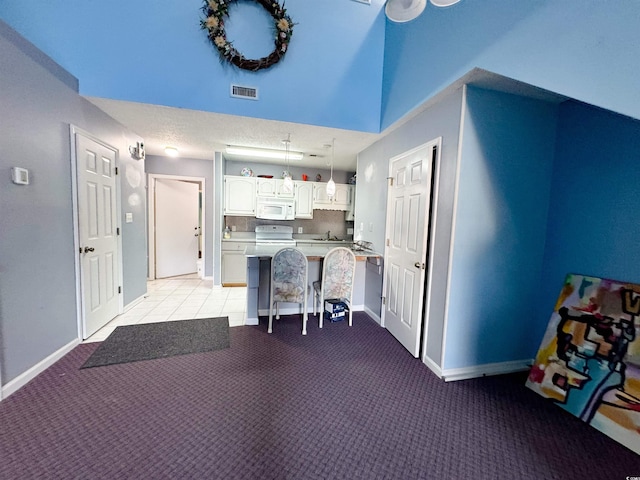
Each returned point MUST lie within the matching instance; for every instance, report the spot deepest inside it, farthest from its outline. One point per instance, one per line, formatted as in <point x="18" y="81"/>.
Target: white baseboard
<point x="432" y="366"/>
<point x="373" y="315"/>
<point x="21" y="380"/>
<point x="133" y="303"/>
<point x="464" y="373"/>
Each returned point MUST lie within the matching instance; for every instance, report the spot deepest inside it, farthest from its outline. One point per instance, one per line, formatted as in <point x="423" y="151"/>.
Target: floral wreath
<point x="213" y="23"/>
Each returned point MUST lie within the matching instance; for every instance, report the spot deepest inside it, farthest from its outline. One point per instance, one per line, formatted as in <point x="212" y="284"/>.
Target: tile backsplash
<point x="322" y="222"/>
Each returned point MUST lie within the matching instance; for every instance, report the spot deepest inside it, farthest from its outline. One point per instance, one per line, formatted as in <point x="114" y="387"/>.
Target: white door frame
<point x="151" y="195"/>
<point x="73" y="131"/>
<point x="430" y="230"/>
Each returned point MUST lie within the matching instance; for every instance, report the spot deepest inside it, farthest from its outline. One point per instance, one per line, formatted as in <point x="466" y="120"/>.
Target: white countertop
<point x="267" y="251"/>
<point x="245" y="237"/>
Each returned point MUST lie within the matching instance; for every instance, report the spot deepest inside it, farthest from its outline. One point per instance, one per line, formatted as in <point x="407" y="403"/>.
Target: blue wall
<point x="595" y="199"/>
<point x="500" y="227"/>
<point x="153" y="51"/>
<point x="585" y="49"/>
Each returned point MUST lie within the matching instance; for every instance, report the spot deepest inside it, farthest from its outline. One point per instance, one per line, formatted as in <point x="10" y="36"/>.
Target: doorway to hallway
<point x="176" y="216"/>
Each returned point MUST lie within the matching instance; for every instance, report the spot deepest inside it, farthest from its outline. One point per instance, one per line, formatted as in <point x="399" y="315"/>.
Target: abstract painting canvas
<point x="589" y="359"/>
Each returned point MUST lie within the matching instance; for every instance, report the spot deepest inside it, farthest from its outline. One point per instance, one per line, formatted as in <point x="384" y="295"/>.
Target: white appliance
<point x="274" y="235"/>
<point x="270" y="208"/>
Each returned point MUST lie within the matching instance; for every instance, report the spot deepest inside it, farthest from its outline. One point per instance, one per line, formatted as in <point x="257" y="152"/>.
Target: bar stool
<point x="338" y="272"/>
<point x="289" y="275"/>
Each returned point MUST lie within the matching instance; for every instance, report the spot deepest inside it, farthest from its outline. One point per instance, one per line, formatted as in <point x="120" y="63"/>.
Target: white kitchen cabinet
<point x="273" y="187"/>
<point x="266" y="187"/>
<point x="304" y="199"/>
<point x="282" y="191"/>
<point x="340" y="201"/>
<point x="234" y="264"/>
<point x="349" y="215"/>
<point x="239" y="196"/>
<point x="342" y="198"/>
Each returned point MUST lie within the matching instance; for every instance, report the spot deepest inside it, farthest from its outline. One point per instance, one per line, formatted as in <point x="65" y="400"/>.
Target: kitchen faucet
<point x="329" y="235"/>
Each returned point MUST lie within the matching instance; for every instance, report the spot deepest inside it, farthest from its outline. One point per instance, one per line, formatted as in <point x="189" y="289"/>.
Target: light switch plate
<point x="20" y="176"/>
<point x="128" y="217"/>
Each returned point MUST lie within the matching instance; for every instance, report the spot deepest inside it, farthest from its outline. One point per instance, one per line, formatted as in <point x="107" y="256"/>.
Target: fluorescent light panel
<point x="263" y="153"/>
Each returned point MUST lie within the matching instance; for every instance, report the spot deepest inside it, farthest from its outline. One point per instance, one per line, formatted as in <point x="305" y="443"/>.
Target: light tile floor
<point x="180" y="298"/>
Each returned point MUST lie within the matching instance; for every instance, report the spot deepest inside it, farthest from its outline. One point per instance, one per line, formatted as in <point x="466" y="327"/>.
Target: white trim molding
<point x="21" y="380"/>
<point x="465" y="373"/>
<point x="372" y="314"/>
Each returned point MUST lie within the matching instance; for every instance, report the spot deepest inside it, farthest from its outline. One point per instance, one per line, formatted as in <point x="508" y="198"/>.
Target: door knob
<point x="419" y="265"/>
<point x="88" y="249"/>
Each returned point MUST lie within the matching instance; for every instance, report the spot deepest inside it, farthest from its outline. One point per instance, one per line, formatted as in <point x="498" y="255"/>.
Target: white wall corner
<point x="372" y="314"/>
<point x="432" y="366"/>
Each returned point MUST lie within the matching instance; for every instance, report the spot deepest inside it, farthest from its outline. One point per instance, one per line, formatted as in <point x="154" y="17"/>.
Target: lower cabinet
<point x="234" y="264"/>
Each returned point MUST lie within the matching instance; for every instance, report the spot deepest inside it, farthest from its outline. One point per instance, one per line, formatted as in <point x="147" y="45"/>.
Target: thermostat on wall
<point x="20" y="176"/>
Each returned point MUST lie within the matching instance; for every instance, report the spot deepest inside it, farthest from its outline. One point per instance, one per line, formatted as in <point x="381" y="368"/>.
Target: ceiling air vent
<point x="238" y="91"/>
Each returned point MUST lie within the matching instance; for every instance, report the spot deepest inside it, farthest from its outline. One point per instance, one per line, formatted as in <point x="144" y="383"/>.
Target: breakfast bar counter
<point x="259" y="277"/>
<point x="315" y="252"/>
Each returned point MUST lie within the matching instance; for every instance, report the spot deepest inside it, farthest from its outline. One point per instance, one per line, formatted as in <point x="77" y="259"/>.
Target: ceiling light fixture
<point x="263" y="153"/>
<point x="444" y="3"/>
<point x="401" y="11"/>
<point x="331" y="185"/>
<point x="171" y="151"/>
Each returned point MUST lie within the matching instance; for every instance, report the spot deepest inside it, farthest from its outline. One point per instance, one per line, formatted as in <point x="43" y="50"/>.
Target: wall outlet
<point x="299" y="229"/>
<point x="233" y="228"/>
<point x="349" y="231"/>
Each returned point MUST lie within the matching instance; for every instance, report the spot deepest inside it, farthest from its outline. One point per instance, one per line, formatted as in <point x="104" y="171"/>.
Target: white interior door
<point x="408" y="209"/>
<point x="177" y="231"/>
<point x="97" y="229"/>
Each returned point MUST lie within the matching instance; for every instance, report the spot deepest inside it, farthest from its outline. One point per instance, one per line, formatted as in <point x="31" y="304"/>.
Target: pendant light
<point x="401" y="11"/>
<point x="444" y="3"/>
<point x="331" y="185"/>
<point x="288" y="181"/>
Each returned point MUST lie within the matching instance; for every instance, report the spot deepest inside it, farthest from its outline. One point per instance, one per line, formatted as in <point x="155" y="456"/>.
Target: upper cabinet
<point x="239" y="196"/>
<point x="349" y="215"/>
<point x="340" y="201"/>
<point x="272" y="187"/>
<point x="304" y="199"/>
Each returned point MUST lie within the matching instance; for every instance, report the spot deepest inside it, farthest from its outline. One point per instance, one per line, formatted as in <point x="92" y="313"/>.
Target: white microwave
<point x="271" y="208"/>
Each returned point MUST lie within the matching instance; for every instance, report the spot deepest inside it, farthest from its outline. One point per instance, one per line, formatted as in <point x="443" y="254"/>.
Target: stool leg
<point x="304" y="322"/>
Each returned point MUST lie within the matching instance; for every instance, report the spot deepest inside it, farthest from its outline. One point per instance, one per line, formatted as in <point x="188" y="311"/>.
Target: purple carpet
<point x="341" y="403"/>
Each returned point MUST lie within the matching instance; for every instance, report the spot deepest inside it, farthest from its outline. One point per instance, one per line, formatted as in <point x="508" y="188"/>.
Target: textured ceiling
<point x="199" y="134"/>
